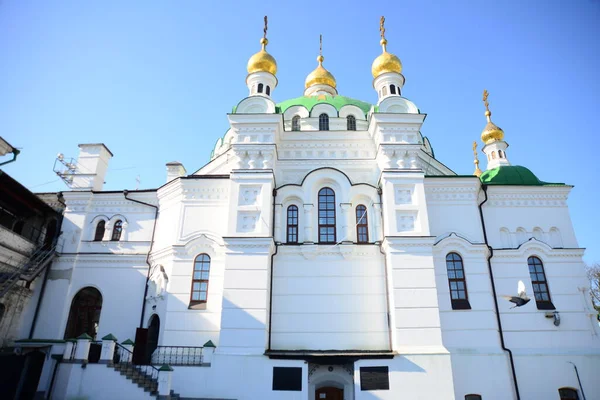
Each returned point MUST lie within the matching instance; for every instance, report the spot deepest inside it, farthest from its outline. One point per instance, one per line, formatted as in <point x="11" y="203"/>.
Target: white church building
<point x="322" y="253"/>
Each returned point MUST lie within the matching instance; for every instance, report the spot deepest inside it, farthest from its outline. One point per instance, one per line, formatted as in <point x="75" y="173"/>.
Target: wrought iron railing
<point x="177" y="355"/>
<point x="28" y="269"/>
<point x="145" y="376"/>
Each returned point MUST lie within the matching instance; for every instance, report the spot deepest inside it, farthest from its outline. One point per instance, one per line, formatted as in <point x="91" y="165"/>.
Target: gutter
<point x="489" y="263"/>
<point x="15" y="153"/>
<point x="125" y="193"/>
<point x="385" y="267"/>
<point x="271" y="266"/>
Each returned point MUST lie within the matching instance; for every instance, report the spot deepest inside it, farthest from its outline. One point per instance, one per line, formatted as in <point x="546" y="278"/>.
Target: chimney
<point x="174" y="170"/>
<point x="92" y="164"/>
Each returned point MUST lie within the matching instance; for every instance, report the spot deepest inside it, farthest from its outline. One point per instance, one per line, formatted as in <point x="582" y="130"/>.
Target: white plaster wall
<point x="95" y="382"/>
<point x="415" y="376"/>
<point x="324" y="300"/>
<point x="237" y="377"/>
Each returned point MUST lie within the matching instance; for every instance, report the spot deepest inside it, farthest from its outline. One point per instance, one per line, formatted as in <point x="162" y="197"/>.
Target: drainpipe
<point x="385" y="267"/>
<point x="125" y="193"/>
<point x="578" y="380"/>
<point x="489" y="263"/>
<point x="271" y="278"/>
<point x="15" y="153"/>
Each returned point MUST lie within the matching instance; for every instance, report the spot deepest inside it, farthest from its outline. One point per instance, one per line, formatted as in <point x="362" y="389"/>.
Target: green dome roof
<point x="310" y="101"/>
<point x="512" y="175"/>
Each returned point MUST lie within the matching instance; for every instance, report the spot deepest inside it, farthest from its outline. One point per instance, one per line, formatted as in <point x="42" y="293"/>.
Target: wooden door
<point x="329" y="393"/>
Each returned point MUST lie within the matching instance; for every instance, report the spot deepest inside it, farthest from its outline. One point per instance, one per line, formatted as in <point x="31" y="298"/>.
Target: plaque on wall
<point x="374" y="378"/>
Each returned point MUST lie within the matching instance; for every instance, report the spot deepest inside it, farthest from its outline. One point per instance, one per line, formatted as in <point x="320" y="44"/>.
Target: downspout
<point x="578" y="379"/>
<point x="15" y="154"/>
<point x="271" y="266"/>
<point x="385" y="267"/>
<point x="489" y="263"/>
<point x="125" y="192"/>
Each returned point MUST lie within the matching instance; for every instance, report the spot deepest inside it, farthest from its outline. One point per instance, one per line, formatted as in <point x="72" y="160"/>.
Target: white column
<point x="308" y="223"/>
<point x="83" y="347"/>
<point x="207" y="352"/>
<point x="278" y="212"/>
<point x="164" y="381"/>
<point x="108" y="348"/>
<point x="376" y="231"/>
<point x="68" y="353"/>
<point x="252" y="158"/>
<point x="267" y="159"/>
<point x="345" y="233"/>
<point x="128" y="344"/>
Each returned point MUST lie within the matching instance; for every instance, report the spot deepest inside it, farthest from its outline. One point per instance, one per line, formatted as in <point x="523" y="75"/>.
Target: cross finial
<point x="485" y="100"/>
<point x="477" y="171"/>
<point x="266" y="27"/>
<point x="382" y="27"/>
<point x="320" y="45"/>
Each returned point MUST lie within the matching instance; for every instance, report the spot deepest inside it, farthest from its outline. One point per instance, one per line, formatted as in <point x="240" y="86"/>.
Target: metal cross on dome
<point x="266" y="27"/>
<point x="382" y="27"/>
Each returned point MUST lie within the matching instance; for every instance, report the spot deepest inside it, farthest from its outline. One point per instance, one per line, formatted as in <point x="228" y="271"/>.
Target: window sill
<point x="545" y="305"/>
<point x="461" y="305"/>
<point x="197" y="306"/>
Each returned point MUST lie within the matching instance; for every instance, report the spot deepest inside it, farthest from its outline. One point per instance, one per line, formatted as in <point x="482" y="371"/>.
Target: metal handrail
<point x="29" y="268"/>
<point x="143" y="375"/>
<point x="177" y="355"/>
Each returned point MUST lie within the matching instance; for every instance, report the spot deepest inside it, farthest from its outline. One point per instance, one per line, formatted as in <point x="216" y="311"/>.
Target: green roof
<point x="337" y="101"/>
<point x="513" y="175"/>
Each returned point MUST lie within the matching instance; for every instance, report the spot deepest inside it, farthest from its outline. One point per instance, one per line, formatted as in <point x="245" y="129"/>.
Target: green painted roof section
<point x="110" y="336"/>
<point x="209" y="344"/>
<point x="128" y="341"/>
<point x="310" y="101"/>
<point x="84" y="336"/>
<point x="165" y="367"/>
<point x="513" y="175"/>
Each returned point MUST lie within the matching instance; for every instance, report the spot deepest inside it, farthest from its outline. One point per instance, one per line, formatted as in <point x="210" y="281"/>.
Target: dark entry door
<point x="153" y="331"/>
<point x="329" y="393"/>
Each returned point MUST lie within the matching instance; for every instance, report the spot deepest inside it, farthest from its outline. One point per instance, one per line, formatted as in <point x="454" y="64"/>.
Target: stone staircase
<point x="138" y="377"/>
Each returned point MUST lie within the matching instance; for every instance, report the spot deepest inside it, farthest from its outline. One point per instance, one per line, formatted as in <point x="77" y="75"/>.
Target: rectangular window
<point x="287" y="378"/>
<point x="374" y="378"/>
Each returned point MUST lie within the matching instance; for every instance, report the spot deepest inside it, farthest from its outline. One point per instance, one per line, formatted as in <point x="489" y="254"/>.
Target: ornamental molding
<point x="345" y="251"/>
<point x="234" y="244"/>
<point x="528" y="200"/>
<point x="454" y="241"/>
<point x="81" y="259"/>
<point x="450" y="194"/>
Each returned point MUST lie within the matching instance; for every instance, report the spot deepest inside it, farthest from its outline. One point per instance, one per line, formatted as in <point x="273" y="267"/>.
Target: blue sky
<point x="154" y="80"/>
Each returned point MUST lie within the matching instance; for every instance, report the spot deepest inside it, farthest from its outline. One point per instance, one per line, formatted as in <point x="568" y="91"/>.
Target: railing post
<point x="128" y="344"/>
<point x="164" y="382"/>
<point x="83" y="347"/>
<point x="207" y="352"/>
<point x="68" y="353"/>
<point x="108" y="349"/>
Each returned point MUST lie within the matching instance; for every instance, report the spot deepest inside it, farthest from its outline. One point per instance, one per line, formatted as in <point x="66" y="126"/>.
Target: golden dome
<point x="262" y="61"/>
<point x="320" y="76"/>
<point x="386" y="62"/>
<point x="491" y="132"/>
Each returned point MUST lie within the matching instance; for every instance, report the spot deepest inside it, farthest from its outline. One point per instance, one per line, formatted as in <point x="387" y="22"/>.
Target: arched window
<point x="117" y="230"/>
<point x="539" y="283"/>
<point x="18" y="227"/>
<point x="392" y="89"/>
<point x="493" y="155"/>
<point x="362" y="224"/>
<point x="268" y="91"/>
<point x="384" y="90"/>
<point x="472" y="397"/>
<point x="500" y="154"/>
<point x="99" y="231"/>
<point x="326" y="216"/>
<point x="296" y="123"/>
<point x="457" y="282"/>
<point x="199" y="293"/>
<point x="568" y="394"/>
<point x="351" y="123"/>
<point x="260" y="88"/>
<point x="84" y="315"/>
<point x="323" y="122"/>
<point x="292" y="224"/>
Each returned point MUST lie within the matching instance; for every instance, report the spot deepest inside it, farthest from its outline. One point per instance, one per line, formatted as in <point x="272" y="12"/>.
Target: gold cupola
<point x="320" y="76"/>
<point x="262" y="61"/>
<point x="491" y="132"/>
<point x="386" y="62"/>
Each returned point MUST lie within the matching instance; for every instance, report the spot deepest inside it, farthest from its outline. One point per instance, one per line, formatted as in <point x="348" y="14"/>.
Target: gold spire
<point x="386" y="62"/>
<point x="262" y="61"/>
<point x="477" y="171"/>
<point x="491" y="132"/>
<point x="320" y="76"/>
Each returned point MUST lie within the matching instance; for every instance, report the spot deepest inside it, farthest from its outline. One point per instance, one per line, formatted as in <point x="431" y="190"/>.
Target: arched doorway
<point x="50" y="233"/>
<point x="152" y="341"/>
<point x="84" y="315"/>
<point x="329" y="393"/>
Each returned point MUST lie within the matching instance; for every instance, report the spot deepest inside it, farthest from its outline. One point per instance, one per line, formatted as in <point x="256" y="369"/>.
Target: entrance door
<point x="153" y="330"/>
<point x="329" y="393"/>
